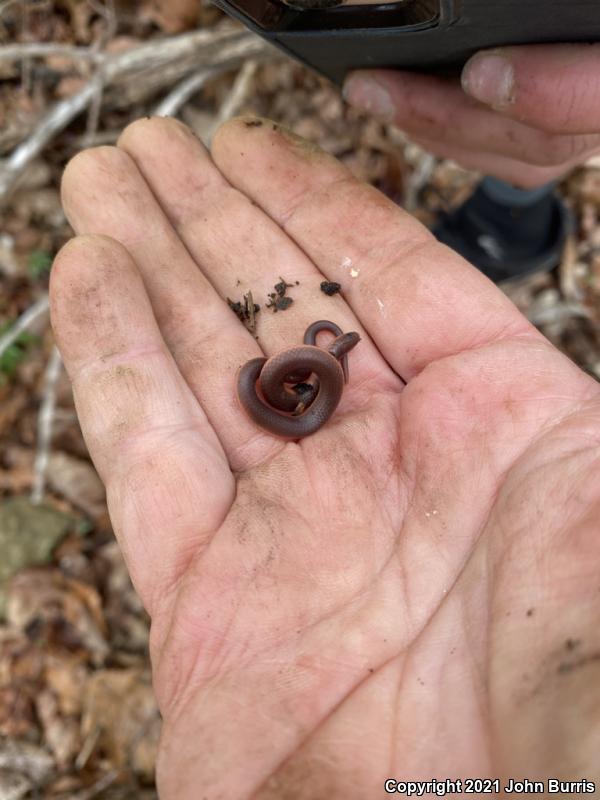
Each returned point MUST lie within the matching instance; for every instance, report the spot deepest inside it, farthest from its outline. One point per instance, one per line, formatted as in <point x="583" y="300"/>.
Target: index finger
<point x="419" y="300"/>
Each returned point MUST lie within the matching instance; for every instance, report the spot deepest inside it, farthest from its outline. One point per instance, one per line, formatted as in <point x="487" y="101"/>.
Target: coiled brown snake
<point x="291" y="407"/>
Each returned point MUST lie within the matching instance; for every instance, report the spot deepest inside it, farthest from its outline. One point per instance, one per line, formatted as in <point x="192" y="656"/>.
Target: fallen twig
<point x="236" y="97"/>
<point x="26" y="63"/>
<point x="137" y="73"/>
<point x="56" y="120"/>
<point x="12" y="52"/>
<point x="7" y="4"/>
<point x="419" y="178"/>
<point x="556" y="313"/>
<point x="87" y="748"/>
<point x="170" y="105"/>
<point x="106" y="10"/>
<point x="98" y="787"/>
<point x="95" y="107"/>
<point x="571" y="287"/>
<point x="45" y="423"/>
<point x="24" y="322"/>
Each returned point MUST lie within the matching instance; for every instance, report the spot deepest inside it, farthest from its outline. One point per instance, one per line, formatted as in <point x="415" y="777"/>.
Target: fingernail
<point x="367" y="94"/>
<point x="490" y="78"/>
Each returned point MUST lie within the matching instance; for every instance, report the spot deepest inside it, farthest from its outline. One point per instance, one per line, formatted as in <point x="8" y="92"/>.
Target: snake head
<point x="306" y="394"/>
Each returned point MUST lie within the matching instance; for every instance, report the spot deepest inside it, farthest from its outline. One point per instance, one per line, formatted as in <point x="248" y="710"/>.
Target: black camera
<point x="335" y="36"/>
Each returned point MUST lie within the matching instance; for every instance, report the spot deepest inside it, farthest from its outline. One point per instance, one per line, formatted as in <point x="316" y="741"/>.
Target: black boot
<point x="508" y="232"/>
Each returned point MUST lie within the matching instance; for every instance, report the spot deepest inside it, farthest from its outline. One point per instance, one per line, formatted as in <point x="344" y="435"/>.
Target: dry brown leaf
<point x="120" y="706"/>
<point x="25" y="668"/>
<point x="13" y="785"/>
<point x="64" y="611"/>
<point x="119" y="44"/>
<point x="16" y="456"/>
<point x="28" y="535"/>
<point x="40" y="204"/>
<point x="28" y="759"/>
<point x="128" y="622"/>
<point x="64" y="787"/>
<point x="588" y="187"/>
<point x="21" y="662"/>
<point x="16" y="480"/>
<point x="17" y="717"/>
<point x="37" y="175"/>
<point x="66" y="675"/>
<point x="21" y="669"/>
<point x="172" y="16"/>
<point x="69" y="85"/>
<point x="11" y="407"/>
<point x="62" y="734"/>
<point x="81" y="14"/>
<point x="9" y="263"/>
<point x="78" y="482"/>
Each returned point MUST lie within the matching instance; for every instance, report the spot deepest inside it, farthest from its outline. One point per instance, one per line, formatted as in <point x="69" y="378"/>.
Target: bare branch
<point x="419" y="178"/>
<point x="230" y="58"/>
<point x="162" y="63"/>
<point x="24" y="322"/>
<point x="56" y="120"/>
<point x="99" y="138"/>
<point x="239" y="91"/>
<point x="106" y="10"/>
<point x="170" y="105"/>
<point x="87" y="748"/>
<point x="99" y="786"/>
<point x="45" y="424"/>
<point x="137" y="73"/>
<point x="26" y="66"/>
<point x="13" y="52"/>
<point x="7" y="4"/>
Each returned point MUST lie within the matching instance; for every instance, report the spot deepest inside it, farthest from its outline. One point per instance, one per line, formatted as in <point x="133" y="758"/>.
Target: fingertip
<point x="227" y="131"/>
<point x="246" y="144"/>
<point x="86" y="173"/>
<point x="66" y="279"/>
<point x="367" y="92"/>
<point x="80" y="251"/>
<point x="351" y="83"/>
<point x="489" y="77"/>
<point x="152" y="134"/>
<point x="82" y="264"/>
<point x="230" y="133"/>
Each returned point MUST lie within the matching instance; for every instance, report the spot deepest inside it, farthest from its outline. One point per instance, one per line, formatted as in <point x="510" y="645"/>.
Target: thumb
<point x="551" y="87"/>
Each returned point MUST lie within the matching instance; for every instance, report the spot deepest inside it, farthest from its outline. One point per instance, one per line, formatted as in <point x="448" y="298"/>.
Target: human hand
<point x="525" y="115"/>
<point x="411" y="592"/>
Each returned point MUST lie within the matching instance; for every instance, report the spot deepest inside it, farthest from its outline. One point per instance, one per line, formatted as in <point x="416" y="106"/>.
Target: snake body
<point x="290" y="407"/>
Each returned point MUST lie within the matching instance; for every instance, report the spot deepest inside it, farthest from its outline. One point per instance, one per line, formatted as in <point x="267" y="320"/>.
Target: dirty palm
<point x="410" y="592"/>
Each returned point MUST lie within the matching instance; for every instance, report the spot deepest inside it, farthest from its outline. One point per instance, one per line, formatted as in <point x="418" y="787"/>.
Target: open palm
<point x="410" y="593"/>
